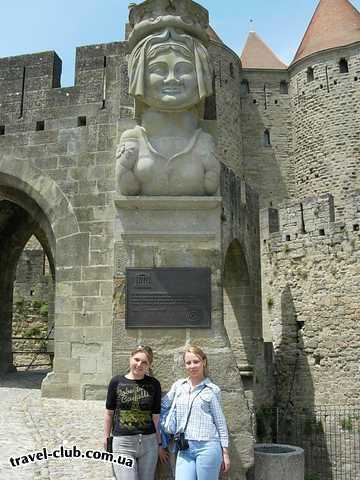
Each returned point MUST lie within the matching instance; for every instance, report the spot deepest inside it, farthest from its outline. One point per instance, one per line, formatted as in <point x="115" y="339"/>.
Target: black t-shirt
<point x="134" y="402"/>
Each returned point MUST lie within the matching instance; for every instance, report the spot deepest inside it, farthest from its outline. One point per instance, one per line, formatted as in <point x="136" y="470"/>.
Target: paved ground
<point x="29" y="423"/>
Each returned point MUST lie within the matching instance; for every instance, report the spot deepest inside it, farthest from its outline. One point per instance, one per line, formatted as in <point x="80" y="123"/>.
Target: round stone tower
<point x="325" y="103"/>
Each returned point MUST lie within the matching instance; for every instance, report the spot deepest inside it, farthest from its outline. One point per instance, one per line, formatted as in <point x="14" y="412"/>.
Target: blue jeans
<point x="201" y="461"/>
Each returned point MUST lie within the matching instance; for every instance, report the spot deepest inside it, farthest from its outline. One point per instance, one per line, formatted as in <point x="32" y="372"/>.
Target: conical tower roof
<point x="257" y="54"/>
<point x="335" y="23"/>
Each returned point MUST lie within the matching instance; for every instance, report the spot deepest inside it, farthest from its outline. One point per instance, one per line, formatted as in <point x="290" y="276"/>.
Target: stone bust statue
<point x="167" y="153"/>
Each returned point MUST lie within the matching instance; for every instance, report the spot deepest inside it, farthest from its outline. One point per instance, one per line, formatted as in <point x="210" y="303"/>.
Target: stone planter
<point x="278" y="462"/>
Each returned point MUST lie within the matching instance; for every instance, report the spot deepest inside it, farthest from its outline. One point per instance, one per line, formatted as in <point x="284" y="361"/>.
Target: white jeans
<point x="143" y="449"/>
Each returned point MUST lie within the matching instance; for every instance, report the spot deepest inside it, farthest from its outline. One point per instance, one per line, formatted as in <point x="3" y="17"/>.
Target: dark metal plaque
<point x="168" y="297"/>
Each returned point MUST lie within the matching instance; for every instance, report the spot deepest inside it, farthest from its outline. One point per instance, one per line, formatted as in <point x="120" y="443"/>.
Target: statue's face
<point x="171" y="82"/>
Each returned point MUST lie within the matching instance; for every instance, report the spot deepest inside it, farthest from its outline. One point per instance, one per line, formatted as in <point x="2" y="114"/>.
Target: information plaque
<point x="168" y="297"/>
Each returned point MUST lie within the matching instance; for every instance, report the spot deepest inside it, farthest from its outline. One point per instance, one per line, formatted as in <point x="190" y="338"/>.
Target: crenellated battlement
<point x="30" y="85"/>
<point x="313" y="216"/>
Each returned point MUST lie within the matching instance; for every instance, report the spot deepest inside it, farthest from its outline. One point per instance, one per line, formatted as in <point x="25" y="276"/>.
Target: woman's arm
<point x="163" y="454"/>
<point x="156" y="418"/>
<point x="225" y="466"/>
<point x="220" y="422"/>
<point x="166" y="402"/>
<point x="107" y="425"/>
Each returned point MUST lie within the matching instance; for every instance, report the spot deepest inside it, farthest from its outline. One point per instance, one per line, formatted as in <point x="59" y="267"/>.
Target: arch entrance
<point x="31" y="203"/>
<point x="20" y="219"/>
<point x="239" y="307"/>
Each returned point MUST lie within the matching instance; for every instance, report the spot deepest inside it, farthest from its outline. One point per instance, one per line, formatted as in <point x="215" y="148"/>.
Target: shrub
<point x="347" y="424"/>
<point x="33" y="332"/>
<point x="44" y="310"/>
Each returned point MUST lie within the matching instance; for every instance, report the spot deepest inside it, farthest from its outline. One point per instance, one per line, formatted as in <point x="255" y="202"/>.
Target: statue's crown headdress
<point x="154" y="15"/>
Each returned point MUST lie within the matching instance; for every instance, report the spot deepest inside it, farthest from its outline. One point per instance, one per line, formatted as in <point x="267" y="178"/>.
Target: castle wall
<point x="310" y="280"/>
<point x="265" y="106"/>
<point x="227" y="92"/>
<point x="75" y="147"/>
<point x="69" y="136"/>
<point x="242" y="284"/>
<point x="325" y="125"/>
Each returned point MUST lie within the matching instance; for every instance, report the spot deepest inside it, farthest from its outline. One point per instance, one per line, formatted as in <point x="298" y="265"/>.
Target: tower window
<point x="81" y="121"/>
<point x="231" y="68"/>
<point x="284" y="87"/>
<point x="267" y="139"/>
<point x="2" y="129"/>
<point x="40" y="126"/>
<point x="343" y="66"/>
<point x="310" y="74"/>
<point x="244" y="87"/>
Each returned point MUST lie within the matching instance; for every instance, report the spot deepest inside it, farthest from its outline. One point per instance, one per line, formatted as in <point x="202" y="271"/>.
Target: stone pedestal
<point x="180" y="232"/>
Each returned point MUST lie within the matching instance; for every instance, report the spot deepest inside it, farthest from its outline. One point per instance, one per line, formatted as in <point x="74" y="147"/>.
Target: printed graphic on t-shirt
<point x="134" y="403"/>
<point x="132" y="419"/>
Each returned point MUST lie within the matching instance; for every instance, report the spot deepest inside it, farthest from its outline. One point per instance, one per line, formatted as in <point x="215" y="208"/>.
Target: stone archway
<point x="239" y="307"/>
<point x="32" y="203"/>
<point x="17" y="225"/>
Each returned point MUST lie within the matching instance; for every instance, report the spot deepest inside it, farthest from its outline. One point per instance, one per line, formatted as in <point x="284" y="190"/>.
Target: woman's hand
<point x="163" y="455"/>
<point x="225" y="466"/>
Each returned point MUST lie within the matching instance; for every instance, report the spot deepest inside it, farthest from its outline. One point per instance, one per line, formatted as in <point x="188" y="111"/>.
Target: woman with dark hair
<point x="132" y="417"/>
<point x="192" y="412"/>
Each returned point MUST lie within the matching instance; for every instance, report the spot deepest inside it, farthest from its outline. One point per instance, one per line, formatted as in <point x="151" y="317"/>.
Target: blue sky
<point x="39" y="25"/>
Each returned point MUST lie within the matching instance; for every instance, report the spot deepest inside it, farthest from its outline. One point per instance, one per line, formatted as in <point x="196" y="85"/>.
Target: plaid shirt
<point x="206" y="422"/>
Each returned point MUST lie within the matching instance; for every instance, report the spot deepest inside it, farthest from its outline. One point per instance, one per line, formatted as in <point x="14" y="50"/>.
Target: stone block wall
<point x="325" y="126"/>
<point x="21" y="77"/>
<point x="242" y="284"/>
<point x="227" y="99"/>
<point x="57" y="152"/>
<point x="265" y="106"/>
<point x="61" y="142"/>
<point x="310" y="281"/>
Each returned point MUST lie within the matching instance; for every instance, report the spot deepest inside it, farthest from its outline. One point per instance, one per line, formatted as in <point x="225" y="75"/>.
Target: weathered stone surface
<point x="306" y="320"/>
<point x="177" y="249"/>
<point x="283" y="462"/>
<point x="62" y="179"/>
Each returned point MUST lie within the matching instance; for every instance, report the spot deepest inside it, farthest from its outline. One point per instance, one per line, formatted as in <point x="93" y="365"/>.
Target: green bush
<point x="311" y="425"/>
<point x="270" y="302"/>
<point x="33" y="332"/>
<point x="312" y="476"/>
<point x="347" y="424"/>
<point x="36" y="303"/>
<point x="44" y="310"/>
<point x="264" y="419"/>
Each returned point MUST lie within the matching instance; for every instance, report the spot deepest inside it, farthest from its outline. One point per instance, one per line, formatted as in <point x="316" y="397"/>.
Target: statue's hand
<point x="127" y="154"/>
<point x="126" y="157"/>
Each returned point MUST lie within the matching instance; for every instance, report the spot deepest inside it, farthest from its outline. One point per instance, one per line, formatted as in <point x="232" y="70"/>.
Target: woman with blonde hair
<point x="192" y="412"/>
<point x="132" y="417"/>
